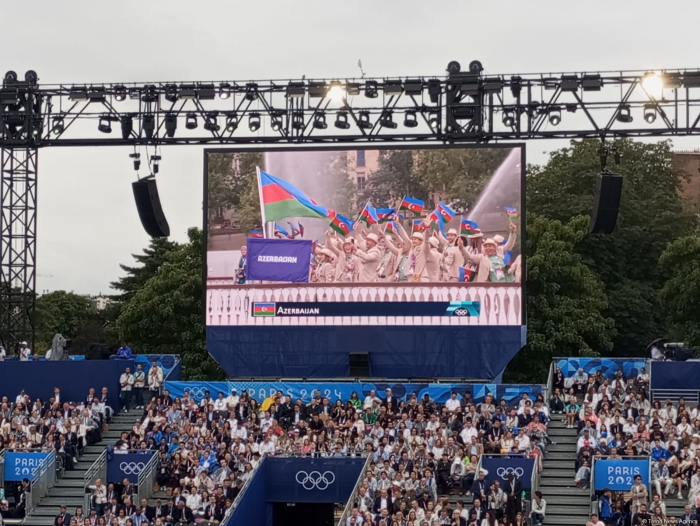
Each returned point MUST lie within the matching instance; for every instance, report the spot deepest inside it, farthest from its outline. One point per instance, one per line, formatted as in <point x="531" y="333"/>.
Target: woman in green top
<point x="572" y="409"/>
<point x="355" y="400"/>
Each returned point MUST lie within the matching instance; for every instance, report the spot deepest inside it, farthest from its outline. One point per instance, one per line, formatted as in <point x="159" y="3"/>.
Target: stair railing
<point x="147" y="478"/>
<point x="355" y="492"/>
<point x="42" y="480"/>
<point x="98" y="470"/>
<point x="241" y="494"/>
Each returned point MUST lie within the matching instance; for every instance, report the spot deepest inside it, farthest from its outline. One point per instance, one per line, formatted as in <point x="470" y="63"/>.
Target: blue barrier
<point x="22" y="464"/>
<point x="253" y="509"/>
<point x="630" y="367"/>
<point x="169" y="363"/>
<point x="618" y="475"/>
<point x="500" y="467"/>
<point x="675" y="375"/>
<point x="342" y="390"/>
<point x="129" y="466"/>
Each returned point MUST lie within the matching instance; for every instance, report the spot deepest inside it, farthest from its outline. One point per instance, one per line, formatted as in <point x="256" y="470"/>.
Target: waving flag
<point x="417" y="225"/>
<point x="446" y="213"/>
<point x="281" y="199"/>
<point x="369" y="216"/>
<point x="465" y="274"/>
<point x="301" y="228"/>
<point x="512" y="212"/>
<point x="412" y="205"/>
<point x="282" y="231"/>
<point x="467" y="227"/>
<point x="385" y="214"/>
<point x="392" y="226"/>
<point x="295" y="230"/>
<point x="342" y="225"/>
<point x="435" y="220"/>
<point x="256" y="234"/>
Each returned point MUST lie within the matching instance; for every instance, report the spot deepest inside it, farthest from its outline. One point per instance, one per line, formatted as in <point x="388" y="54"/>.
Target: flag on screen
<point x="513" y="212"/>
<point x="392" y="226"/>
<point x="385" y="214"/>
<point x="446" y="213"/>
<point x="282" y="231"/>
<point x="294" y="230"/>
<point x="301" y="228"/>
<point x="263" y="309"/>
<point x="465" y="274"/>
<point x="369" y="215"/>
<point x="468" y="227"/>
<point x="256" y="234"/>
<point x="412" y="204"/>
<point x="282" y="199"/>
<point x="342" y="225"/>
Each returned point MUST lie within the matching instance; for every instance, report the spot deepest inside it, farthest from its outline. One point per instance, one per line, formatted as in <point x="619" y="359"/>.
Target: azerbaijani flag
<point x="256" y="234"/>
<point x="301" y="228"/>
<point x="295" y="230"/>
<point x="342" y="225"/>
<point x="467" y="227"/>
<point x="369" y="215"/>
<point x="385" y="214"/>
<point x="435" y="220"/>
<point x="391" y="226"/>
<point x="465" y="274"/>
<point x="282" y="200"/>
<point x="417" y="225"/>
<point x="513" y="212"/>
<point x="263" y="309"/>
<point x="412" y="205"/>
<point x="282" y="231"/>
<point x="446" y="213"/>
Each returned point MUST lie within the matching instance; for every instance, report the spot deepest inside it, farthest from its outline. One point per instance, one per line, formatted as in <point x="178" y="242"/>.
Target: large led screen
<point x="395" y="237"/>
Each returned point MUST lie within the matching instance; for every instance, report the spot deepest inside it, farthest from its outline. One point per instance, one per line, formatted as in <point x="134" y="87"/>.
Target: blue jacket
<point x="124" y="352"/>
<point x="605" y="510"/>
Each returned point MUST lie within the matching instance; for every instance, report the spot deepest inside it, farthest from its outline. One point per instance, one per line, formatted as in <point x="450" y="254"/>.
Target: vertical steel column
<point x="18" y="205"/>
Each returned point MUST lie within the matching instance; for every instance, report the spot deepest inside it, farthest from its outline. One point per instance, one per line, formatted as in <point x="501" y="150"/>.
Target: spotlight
<point x="434" y="124"/>
<point x="187" y="92"/>
<point x="171" y="92"/>
<point x="649" y="113"/>
<point x="251" y="91"/>
<point x="387" y="120"/>
<point x="434" y="90"/>
<point x="296" y="89"/>
<point x="337" y="91"/>
<point x="320" y="121"/>
<point x="653" y="84"/>
<point x="254" y="122"/>
<point x="105" y="125"/>
<point x="211" y="123"/>
<point x="137" y="160"/>
<point x="516" y="85"/>
<point x="127" y="126"/>
<point x="37" y="125"/>
<point x="148" y="124"/>
<point x="191" y="121"/>
<point x="170" y="124"/>
<point x="231" y="122"/>
<point x="155" y="159"/>
<point x="119" y="93"/>
<point x="298" y="120"/>
<point x="625" y="114"/>
<point x="276" y="121"/>
<point x="508" y="118"/>
<point x="410" y="120"/>
<point x="371" y="89"/>
<point x="364" y="121"/>
<point x="341" y="121"/>
<point x="78" y="94"/>
<point x="554" y="117"/>
<point x="57" y="126"/>
<point x="224" y="90"/>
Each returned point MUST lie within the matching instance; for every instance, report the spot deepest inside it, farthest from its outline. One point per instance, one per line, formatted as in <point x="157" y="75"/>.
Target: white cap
<point x="417" y="235"/>
<point x="451" y="231"/>
<point x="372" y="237"/>
<point x="434" y="242"/>
<point x="498" y="239"/>
<point x="24" y="343"/>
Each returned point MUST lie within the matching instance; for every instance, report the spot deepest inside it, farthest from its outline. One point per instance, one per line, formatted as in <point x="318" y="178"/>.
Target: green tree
<point x="565" y="301"/>
<point x="652" y="214"/>
<point x="680" y="295"/>
<point x="166" y="314"/>
<point x="65" y="313"/>
<point x="395" y="179"/>
<point x="148" y="264"/>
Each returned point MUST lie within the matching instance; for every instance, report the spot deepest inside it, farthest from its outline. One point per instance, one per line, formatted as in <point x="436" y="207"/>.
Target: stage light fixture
<point x="371" y="89"/>
<point x="393" y="87"/>
<point x="508" y="118"/>
<point x="569" y="83"/>
<point x="413" y="86"/>
<point x="148" y="125"/>
<point x="296" y="89"/>
<point x="337" y="91"/>
<point x="134" y="93"/>
<point x="516" y="85"/>
<point x="9" y="96"/>
<point x="298" y="120"/>
<point x="353" y="88"/>
<point x="434" y="123"/>
<point x="554" y="116"/>
<point x="170" y="124"/>
<point x="37" y="125"/>
<point x="275" y="121"/>
<point x="155" y="161"/>
<point x="211" y="122"/>
<point x="137" y="160"/>
<point x="119" y="93"/>
<point x="206" y="92"/>
<point x="97" y="94"/>
<point x="78" y="94"/>
<point x="492" y="84"/>
<point x="317" y="89"/>
<point x="387" y="120"/>
<point x="363" y="120"/>
<point x="105" y="125"/>
<point x="625" y="114"/>
<point x="591" y="82"/>
<point x="434" y="90"/>
<point x="231" y="122"/>
<point x="649" y="113"/>
<point x="57" y="126"/>
<point x="127" y="126"/>
<point x="251" y="91"/>
<point x="653" y="84"/>
<point x="191" y="121"/>
<point x="410" y="120"/>
<point x="149" y="94"/>
<point x="254" y="122"/>
<point x="187" y="92"/>
<point x="320" y="121"/>
<point x="171" y="92"/>
<point x="341" y="120"/>
<point x="224" y="90"/>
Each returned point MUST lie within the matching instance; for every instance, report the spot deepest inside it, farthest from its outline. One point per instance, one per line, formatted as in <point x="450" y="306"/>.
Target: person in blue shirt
<point x="605" y="511"/>
<point x="658" y="452"/>
<point x="124" y="352"/>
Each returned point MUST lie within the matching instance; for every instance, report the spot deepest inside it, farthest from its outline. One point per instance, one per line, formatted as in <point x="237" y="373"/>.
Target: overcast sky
<point x="87" y="221"/>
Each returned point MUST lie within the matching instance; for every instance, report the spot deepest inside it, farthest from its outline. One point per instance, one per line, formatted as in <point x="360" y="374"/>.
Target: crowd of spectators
<point x="615" y="420"/>
<point x="421" y="452"/>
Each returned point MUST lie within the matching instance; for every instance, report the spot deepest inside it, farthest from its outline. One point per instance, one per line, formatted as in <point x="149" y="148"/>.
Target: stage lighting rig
<point x="554" y="116"/>
<point x="341" y="121"/>
<point x="191" y="121"/>
<point x="136" y="157"/>
<point x="231" y="122"/>
<point x="364" y="121"/>
<point x="57" y="126"/>
<point x="650" y="113"/>
<point x="410" y="120"/>
<point x="320" y="121"/>
<point x="254" y="122"/>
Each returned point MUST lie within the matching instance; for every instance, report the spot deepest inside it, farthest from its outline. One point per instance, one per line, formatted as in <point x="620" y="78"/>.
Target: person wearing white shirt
<point x="468" y="432"/>
<point x="233" y="398"/>
<point x="220" y="404"/>
<point x="267" y="446"/>
<point x="453" y="404"/>
<point x="585" y="438"/>
<point x="155" y="378"/>
<point x="367" y="404"/>
<point x="24" y="352"/>
<point x="20" y="397"/>
<point x="240" y="432"/>
<point x="126" y="382"/>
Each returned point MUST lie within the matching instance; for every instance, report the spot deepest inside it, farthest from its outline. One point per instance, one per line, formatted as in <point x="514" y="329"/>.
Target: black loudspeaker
<point x="607" y="203"/>
<point x="359" y="364"/>
<point x="150" y="211"/>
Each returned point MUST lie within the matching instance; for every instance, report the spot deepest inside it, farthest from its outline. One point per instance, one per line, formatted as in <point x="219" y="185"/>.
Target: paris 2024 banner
<point x="392" y="237"/>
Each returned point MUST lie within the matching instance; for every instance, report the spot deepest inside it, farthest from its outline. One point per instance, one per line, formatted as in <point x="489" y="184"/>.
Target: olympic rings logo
<point x="504" y="472"/>
<point x="315" y="480"/>
<point x="132" y="468"/>
<point x="196" y="392"/>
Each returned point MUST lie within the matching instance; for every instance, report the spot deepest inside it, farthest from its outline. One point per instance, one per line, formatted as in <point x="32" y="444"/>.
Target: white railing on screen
<point x="229" y="304"/>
